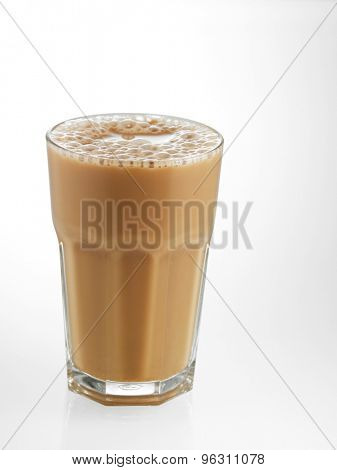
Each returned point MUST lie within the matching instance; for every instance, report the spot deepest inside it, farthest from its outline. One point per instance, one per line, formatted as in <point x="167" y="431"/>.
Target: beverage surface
<point x="135" y="140"/>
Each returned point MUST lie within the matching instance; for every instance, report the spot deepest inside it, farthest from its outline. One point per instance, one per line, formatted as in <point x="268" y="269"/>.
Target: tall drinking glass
<point x="133" y="199"/>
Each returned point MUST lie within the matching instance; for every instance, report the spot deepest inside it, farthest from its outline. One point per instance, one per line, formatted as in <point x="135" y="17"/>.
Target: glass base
<point x="130" y="393"/>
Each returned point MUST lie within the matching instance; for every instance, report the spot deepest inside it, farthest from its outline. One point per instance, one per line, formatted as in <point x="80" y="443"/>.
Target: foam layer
<point x="135" y="140"/>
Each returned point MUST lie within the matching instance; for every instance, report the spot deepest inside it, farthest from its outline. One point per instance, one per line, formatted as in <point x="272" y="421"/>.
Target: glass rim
<point x="187" y="158"/>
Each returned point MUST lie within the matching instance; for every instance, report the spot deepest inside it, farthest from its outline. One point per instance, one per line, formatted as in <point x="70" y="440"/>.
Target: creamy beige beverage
<point x="132" y="314"/>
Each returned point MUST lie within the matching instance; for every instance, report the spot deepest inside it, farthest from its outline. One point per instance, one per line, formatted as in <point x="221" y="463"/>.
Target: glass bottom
<point x="112" y="393"/>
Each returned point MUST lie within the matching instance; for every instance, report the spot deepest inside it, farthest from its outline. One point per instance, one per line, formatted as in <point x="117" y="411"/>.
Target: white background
<point x="212" y="61"/>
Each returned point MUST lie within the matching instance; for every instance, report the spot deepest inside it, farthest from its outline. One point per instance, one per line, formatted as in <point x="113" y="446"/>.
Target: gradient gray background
<point x="212" y="61"/>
